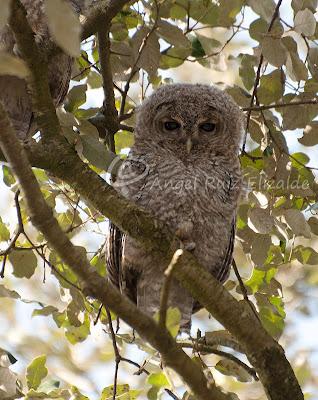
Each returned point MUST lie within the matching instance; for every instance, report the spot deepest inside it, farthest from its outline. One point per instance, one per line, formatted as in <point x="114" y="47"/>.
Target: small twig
<point x="20" y="224"/>
<point x="211" y="350"/>
<point x="126" y="128"/>
<point x="134" y="68"/>
<point x="280" y="105"/>
<point x="243" y="290"/>
<point x="109" y="106"/>
<point x="3" y="267"/>
<point x="119" y="358"/>
<point x="166" y="288"/>
<point x="126" y="115"/>
<point x="282" y="150"/>
<point x="116" y="351"/>
<point x="258" y="76"/>
<point x="98" y="314"/>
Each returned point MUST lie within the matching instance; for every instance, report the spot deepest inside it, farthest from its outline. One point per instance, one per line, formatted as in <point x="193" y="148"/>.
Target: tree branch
<point x="93" y="284"/>
<point x="212" y="350"/>
<point x="280" y="105"/>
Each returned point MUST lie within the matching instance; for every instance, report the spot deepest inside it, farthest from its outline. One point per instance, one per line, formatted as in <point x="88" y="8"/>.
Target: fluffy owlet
<point x="183" y="169"/>
<point x="13" y="90"/>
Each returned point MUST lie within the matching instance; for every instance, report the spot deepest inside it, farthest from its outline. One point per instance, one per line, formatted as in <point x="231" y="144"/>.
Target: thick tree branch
<point x="263" y="351"/>
<point x="93" y="284"/>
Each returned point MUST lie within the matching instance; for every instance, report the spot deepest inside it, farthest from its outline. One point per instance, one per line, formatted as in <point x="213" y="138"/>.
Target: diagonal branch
<point x="93" y="284"/>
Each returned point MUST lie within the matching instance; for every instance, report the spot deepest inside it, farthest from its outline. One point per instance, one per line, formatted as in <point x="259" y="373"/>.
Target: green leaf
<point x="230" y="368"/>
<point x="260" y="220"/>
<point x="246" y="71"/>
<point x="174" y="57"/>
<point x="123" y="140"/>
<point x="313" y="223"/>
<point x="301" y="157"/>
<point x="152" y="393"/>
<point x="305" y="22"/>
<point x="259" y="249"/>
<point x="256" y="280"/>
<point x="178" y="12"/>
<point x="264" y="8"/>
<point x="228" y="11"/>
<point x="24" y="263"/>
<point x="95" y="152"/>
<point x="297" y="223"/>
<point x="4" y="232"/>
<point x="310" y="135"/>
<point x="197" y="49"/>
<point x="5" y="292"/>
<point x="64" y="26"/>
<point x="75" y="98"/>
<point x="94" y="80"/>
<point x="172" y="34"/>
<point x="76" y="334"/>
<point x="122" y="392"/>
<point x="313" y="64"/>
<point x="173" y="320"/>
<point x="274" y="51"/>
<point x="44" y="311"/>
<point x="271" y="87"/>
<point x="306" y="255"/>
<point x="8" y="177"/>
<point x="99" y="264"/>
<point x="302" y="4"/>
<point x="209" y="45"/>
<point x="150" y="56"/>
<point x="77" y="395"/>
<point x="36" y="372"/>
<point x="158" y="380"/>
<point x="296" y="69"/>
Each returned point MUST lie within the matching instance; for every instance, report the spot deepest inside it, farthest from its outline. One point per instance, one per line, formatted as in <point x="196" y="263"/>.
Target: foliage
<point x="269" y="62"/>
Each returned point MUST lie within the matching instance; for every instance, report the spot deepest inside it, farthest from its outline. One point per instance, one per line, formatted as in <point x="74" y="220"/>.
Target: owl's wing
<point x="224" y="268"/>
<point x="124" y="280"/>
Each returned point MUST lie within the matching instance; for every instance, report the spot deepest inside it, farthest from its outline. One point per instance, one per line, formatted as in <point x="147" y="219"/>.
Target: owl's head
<point x="187" y="119"/>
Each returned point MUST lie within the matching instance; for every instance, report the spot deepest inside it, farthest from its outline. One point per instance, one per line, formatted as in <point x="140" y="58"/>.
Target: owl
<point x="183" y="169"/>
<point x="13" y="90"/>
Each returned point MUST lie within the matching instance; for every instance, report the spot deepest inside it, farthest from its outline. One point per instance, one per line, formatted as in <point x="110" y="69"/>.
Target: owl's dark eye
<point x="171" y="125"/>
<point x="207" y="127"/>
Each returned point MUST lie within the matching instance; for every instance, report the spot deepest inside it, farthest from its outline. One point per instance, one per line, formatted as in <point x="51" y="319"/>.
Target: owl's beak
<point x="189" y="145"/>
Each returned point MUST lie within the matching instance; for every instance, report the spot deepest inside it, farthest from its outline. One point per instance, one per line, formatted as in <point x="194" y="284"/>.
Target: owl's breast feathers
<point x="203" y="193"/>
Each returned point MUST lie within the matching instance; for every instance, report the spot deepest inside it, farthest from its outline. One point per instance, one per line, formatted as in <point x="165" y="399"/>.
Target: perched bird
<point x="183" y="169"/>
<point x="13" y="90"/>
